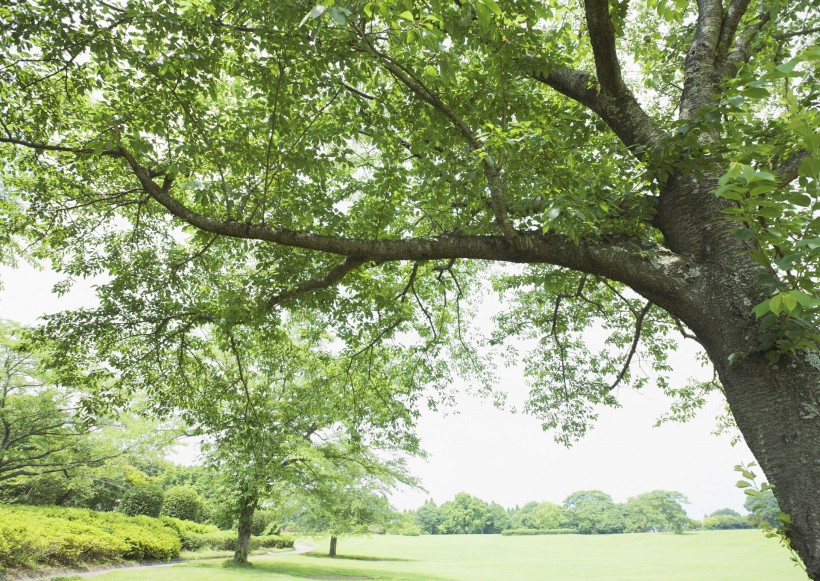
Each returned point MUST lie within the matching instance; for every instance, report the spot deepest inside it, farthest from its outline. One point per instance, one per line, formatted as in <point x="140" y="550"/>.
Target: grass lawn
<point x="712" y="556"/>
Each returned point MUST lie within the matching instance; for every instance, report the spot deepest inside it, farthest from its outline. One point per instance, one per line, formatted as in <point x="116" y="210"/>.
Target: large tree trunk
<point x="777" y="408"/>
<point x="332" y="551"/>
<point x="247" y="507"/>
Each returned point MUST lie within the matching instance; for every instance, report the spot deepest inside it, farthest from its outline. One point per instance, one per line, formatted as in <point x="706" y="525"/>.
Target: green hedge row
<point x="226" y="541"/>
<point x="524" y="532"/>
<point x="34" y="537"/>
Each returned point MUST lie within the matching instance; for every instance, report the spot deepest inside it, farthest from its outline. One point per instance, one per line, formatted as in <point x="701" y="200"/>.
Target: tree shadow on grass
<point x="320" y="555"/>
<point x="326" y="570"/>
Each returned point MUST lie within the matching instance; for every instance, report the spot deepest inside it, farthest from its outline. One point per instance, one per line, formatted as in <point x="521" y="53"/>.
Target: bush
<point x="144" y="499"/>
<point x="265" y="522"/>
<point x="525" y="532"/>
<point x="726" y="522"/>
<point x="183" y="502"/>
<point x="32" y="537"/>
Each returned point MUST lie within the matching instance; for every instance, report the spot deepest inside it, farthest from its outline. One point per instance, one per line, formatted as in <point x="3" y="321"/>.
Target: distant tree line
<point x="582" y="512"/>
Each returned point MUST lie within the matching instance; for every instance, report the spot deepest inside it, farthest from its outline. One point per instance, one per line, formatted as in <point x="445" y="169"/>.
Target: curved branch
<point x="334" y="276"/>
<point x="623" y="114"/>
<point x="741" y="51"/>
<point x="607" y="258"/>
<point x="634" y="347"/>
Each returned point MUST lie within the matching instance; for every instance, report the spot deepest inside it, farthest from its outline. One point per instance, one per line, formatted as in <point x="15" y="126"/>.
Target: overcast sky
<point x="504" y="457"/>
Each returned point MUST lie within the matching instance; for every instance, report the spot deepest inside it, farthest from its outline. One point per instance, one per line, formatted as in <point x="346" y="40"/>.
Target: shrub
<point x="183" y="502"/>
<point x="265" y="522"/>
<point x="32" y="537"/>
<point x="144" y="499"/>
<point x="525" y="532"/>
<point x="725" y="522"/>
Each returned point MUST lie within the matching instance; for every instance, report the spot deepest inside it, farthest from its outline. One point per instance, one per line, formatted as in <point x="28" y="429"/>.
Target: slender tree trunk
<point x="332" y="551"/>
<point x="247" y="507"/>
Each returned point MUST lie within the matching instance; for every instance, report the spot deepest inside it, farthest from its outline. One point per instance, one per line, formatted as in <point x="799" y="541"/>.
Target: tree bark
<point x="777" y="408"/>
<point x="247" y="507"/>
<point x="332" y="551"/>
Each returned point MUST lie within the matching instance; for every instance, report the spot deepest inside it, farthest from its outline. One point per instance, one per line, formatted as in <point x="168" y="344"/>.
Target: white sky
<point x="506" y="458"/>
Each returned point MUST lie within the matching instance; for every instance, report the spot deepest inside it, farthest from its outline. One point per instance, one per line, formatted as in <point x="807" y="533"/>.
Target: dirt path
<point x="95" y="571"/>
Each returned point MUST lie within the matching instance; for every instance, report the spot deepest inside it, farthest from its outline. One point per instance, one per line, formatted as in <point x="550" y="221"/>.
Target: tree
<point x="356" y="158"/>
<point x="42" y="429"/>
<point x="538" y="515"/>
<point x="428" y="517"/>
<point x="593" y="512"/>
<point x="659" y="510"/>
<point x="465" y="514"/>
<point x="349" y="504"/>
<point x="764" y="509"/>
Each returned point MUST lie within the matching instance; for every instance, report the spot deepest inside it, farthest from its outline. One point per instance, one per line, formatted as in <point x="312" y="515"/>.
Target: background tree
<point x="447" y="132"/>
<point x="764" y="509"/>
<point x="659" y="510"/>
<point x="593" y="512"/>
<point x="465" y="514"/>
<point x="428" y="517"/>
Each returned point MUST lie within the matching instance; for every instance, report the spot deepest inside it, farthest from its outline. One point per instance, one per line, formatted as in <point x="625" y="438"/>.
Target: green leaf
<point x="742" y="484"/>
<point x="315" y="12"/>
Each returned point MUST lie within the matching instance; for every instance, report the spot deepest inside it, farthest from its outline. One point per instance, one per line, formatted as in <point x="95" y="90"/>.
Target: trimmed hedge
<point x="36" y="537"/>
<point x="525" y="532"/>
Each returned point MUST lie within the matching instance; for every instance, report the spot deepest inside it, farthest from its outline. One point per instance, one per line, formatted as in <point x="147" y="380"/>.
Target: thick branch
<point x="700" y="75"/>
<point x="61" y="148"/>
<point x="736" y="10"/>
<point x="326" y="281"/>
<point x="787" y="171"/>
<point x="623" y="114"/>
<point x="602" y="37"/>
<point x="611" y="259"/>
<point x="741" y="51"/>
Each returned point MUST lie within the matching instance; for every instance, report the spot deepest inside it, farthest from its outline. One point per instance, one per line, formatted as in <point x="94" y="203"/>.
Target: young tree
<point x="348" y="503"/>
<point x="372" y="147"/>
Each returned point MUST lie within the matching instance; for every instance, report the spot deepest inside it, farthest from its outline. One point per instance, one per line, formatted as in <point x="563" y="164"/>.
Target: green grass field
<point x="705" y="556"/>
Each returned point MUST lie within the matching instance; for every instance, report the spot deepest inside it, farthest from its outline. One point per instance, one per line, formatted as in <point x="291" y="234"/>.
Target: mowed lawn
<point x="704" y="556"/>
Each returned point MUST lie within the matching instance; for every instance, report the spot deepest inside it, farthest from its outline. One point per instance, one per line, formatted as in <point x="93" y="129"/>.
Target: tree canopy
<point x="225" y="163"/>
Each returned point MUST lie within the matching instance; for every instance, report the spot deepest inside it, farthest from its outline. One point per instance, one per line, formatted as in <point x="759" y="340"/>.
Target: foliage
<point x="43" y="430"/>
<point x="182" y="502"/>
<point x="538" y="515"/>
<point x="428" y="517"/>
<point x="265" y="522"/>
<point x="760" y="503"/>
<point x="659" y="510"/>
<point x="725" y="522"/>
<point x="33" y="537"/>
<point x="465" y="514"/>
<point x="143" y="499"/>
<point x="232" y="165"/>
<point x="593" y="512"/>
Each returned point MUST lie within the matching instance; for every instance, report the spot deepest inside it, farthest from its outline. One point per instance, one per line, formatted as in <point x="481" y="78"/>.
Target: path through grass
<point x="716" y="556"/>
